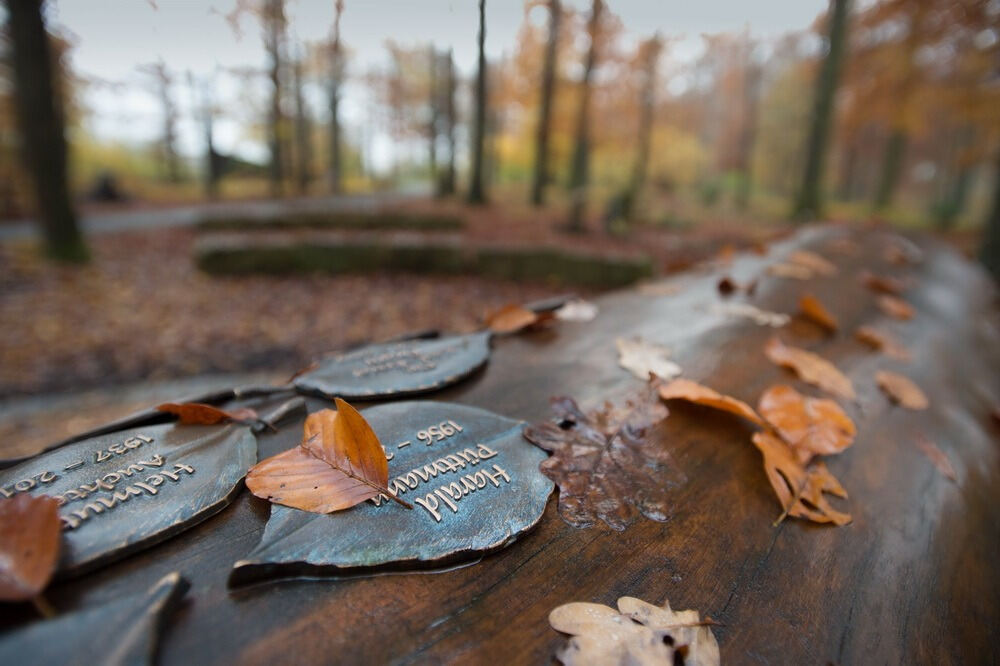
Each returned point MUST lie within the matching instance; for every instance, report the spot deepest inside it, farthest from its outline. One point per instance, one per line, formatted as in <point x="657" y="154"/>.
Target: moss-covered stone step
<point x="344" y="220"/>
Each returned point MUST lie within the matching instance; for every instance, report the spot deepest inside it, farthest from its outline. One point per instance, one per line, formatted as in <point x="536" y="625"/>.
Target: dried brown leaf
<point x="340" y="463"/>
<point x="811" y="426"/>
<point x="751" y="312"/>
<point x="792" y="271"/>
<point x="811" y="368"/>
<point x="685" y="389"/>
<point x="727" y="286"/>
<point x="896" y="308"/>
<point x="883" y="284"/>
<point x="605" y="464"/>
<point x="901" y="390"/>
<point x="577" y="310"/>
<point x="196" y="413"/>
<point x="511" y="318"/>
<point x="937" y="456"/>
<point x="641" y="358"/>
<point x="637" y="633"/>
<point x="813" y="310"/>
<point x="813" y="262"/>
<point x="882" y="341"/>
<point x="801" y="490"/>
<point x="29" y="545"/>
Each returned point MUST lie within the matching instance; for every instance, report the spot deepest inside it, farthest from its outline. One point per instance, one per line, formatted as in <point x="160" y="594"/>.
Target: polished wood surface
<point x="912" y="580"/>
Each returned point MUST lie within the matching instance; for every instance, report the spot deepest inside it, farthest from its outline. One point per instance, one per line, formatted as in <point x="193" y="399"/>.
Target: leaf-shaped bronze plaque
<point x="124" y="631"/>
<point x="471" y="476"/>
<point x="397" y="368"/>
<point x="126" y="490"/>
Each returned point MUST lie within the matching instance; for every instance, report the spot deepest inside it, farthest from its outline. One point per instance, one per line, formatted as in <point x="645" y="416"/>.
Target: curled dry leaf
<point x="896" y="308"/>
<point x="811" y="368"/>
<point x="883" y="342"/>
<point x="339" y="463"/>
<point x="577" y="310"/>
<point x="801" y="490"/>
<point x="753" y="313"/>
<point x="882" y="284"/>
<point x="30" y="531"/>
<point x="937" y="456"/>
<point x="813" y="310"/>
<point x="685" y="389"/>
<point x="810" y="426"/>
<point x="637" y="633"/>
<point x="792" y="271"/>
<point x="196" y="413"/>
<point x="813" y="262"/>
<point x="605" y="464"/>
<point x="512" y="318"/>
<point x="641" y="358"/>
<point x="901" y="390"/>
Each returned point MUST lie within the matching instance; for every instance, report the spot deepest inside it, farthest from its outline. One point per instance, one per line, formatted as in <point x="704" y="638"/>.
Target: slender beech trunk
<point x="579" y="167"/>
<point x="335" y="172"/>
<point x="274" y="30"/>
<point x="303" y="148"/>
<point x="434" y="115"/>
<point x="477" y="191"/>
<point x="446" y="184"/>
<point x="647" y="106"/>
<point x="541" y="175"/>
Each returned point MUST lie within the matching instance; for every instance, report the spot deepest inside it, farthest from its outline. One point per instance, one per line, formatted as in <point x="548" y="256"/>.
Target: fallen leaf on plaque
<point x="810" y="426"/>
<point x="340" y="463"/>
<point x="901" y="390"/>
<point x="196" y="413"/>
<point x="883" y="342"/>
<point x="641" y="358"/>
<point x="512" y="318"/>
<point x="811" y="368"/>
<point x="896" y="308"/>
<point x="882" y="284"/>
<point x="685" y="389"/>
<point x="606" y="467"/>
<point x="791" y="271"/>
<point x="30" y="533"/>
<point x="637" y="633"/>
<point x="801" y="490"/>
<point x="813" y="262"/>
<point x="813" y="310"/>
<point x="577" y="310"/>
<point x="751" y="312"/>
<point x="937" y="456"/>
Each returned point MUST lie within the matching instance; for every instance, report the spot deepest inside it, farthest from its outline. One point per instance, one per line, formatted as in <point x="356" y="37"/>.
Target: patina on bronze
<point x="124" y="631"/>
<point x="126" y="490"/>
<point x="400" y="368"/>
<point x="473" y="480"/>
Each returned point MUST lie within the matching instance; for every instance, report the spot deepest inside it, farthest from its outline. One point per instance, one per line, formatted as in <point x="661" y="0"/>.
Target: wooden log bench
<point x="912" y="579"/>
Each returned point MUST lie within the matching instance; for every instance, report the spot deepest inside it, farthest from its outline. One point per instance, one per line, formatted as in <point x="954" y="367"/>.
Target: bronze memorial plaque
<point x="470" y="475"/>
<point x="123" y="491"/>
<point x="397" y="368"/>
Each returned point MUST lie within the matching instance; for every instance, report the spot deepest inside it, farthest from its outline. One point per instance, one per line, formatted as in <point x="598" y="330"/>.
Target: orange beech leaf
<point x="339" y="463"/>
<point x="30" y="533"/>
<point x="196" y="413"/>
<point x="816" y="312"/>
<point x="883" y="284"/>
<point x="685" y="389"/>
<point x="511" y="318"/>
<point x="882" y="341"/>
<point x="810" y="368"/>
<point x="813" y="262"/>
<point x="937" y="456"/>
<point x="896" y="308"/>
<point x="811" y="426"/>
<point x="801" y="490"/>
<point x="901" y="390"/>
<point x="793" y="271"/>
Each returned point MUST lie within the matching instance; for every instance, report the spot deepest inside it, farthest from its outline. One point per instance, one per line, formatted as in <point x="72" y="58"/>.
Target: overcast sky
<point x="113" y="37"/>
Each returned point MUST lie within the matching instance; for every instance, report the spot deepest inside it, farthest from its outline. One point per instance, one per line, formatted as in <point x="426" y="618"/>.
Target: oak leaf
<point x="30" y="533"/>
<point x="883" y="342"/>
<point x="813" y="310"/>
<point x="605" y="464"/>
<point x="937" y="456"/>
<point x="896" y="308"/>
<point x="685" y="389"/>
<point x="901" y="390"/>
<point x="340" y="463"/>
<point x="813" y="262"/>
<point x="811" y="368"/>
<point x="512" y="318"/>
<point x="637" y="633"/>
<point x="641" y="358"/>
<point x="196" y="413"/>
<point x="801" y="490"/>
<point x="811" y="426"/>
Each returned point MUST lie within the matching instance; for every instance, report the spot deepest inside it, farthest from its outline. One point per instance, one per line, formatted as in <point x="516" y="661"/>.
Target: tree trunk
<point x="579" y="167"/>
<point x="748" y="135"/>
<point x="541" y="175"/>
<point x="990" y="253"/>
<point x="892" y="162"/>
<point x="809" y="202"/>
<point x="274" y="29"/>
<point x="477" y="193"/>
<point x="303" y="149"/>
<point x="335" y="174"/>
<point x="435" y="113"/>
<point x="446" y="184"/>
<point x="647" y="105"/>
<point x="42" y="129"/>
